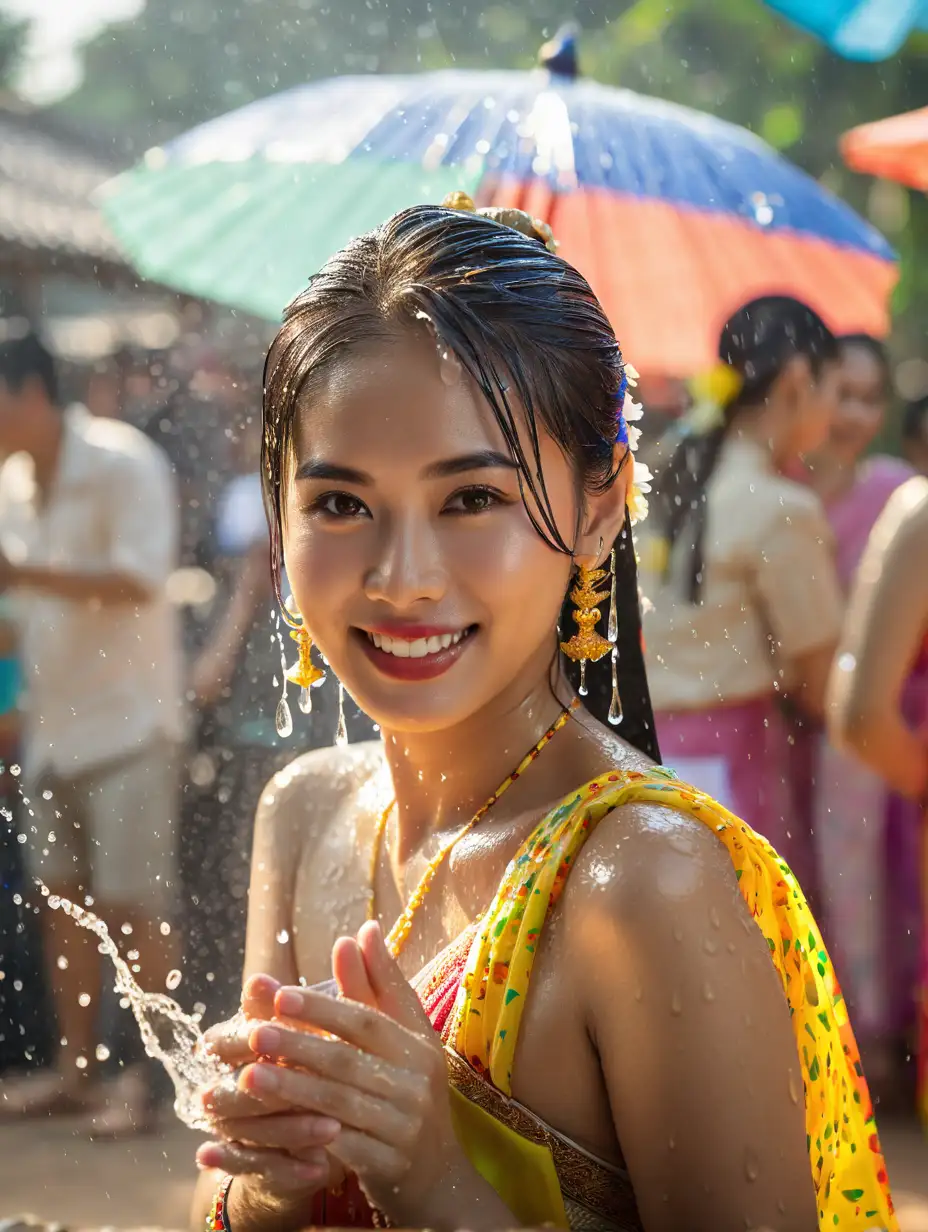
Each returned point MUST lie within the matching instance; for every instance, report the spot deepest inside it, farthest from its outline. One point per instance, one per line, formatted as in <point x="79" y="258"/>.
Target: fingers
<point x="278" y="1171"/>
<point x="228" y="1040"/>
<point x="333" y="1059"/>
<point x="302" y="1135"/>
<point x="258" y="996"/>
<point x="225" y="1101"/>
<point x="381" y="967"/>
<point x="351" y="973"/>
<point x="348" y="1106"/>
<point x="366" y="1028"/>
<point x="367" y="1156"/>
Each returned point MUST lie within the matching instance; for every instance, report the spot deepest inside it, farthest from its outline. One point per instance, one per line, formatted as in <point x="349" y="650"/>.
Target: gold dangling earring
<point x="612" y="633"/>
<point x="586" y="643"/>
<point x="303" y="673"/>
<point x="341" y="731"/>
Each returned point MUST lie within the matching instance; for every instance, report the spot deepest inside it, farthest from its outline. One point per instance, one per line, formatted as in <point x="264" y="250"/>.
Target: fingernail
<point x="328" y="1127"/>
<point x="207" y="1156"/>
<point x="265" y="1039"/>
<point x="289" y="1001"/>
<point x="258" y="1078"/>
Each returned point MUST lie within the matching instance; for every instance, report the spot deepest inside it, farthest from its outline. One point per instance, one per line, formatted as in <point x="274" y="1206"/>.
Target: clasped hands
<point x="321" y="1086"/>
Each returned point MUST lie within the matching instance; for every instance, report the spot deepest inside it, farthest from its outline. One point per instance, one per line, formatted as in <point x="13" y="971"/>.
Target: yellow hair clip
<point x="719" y="386"/>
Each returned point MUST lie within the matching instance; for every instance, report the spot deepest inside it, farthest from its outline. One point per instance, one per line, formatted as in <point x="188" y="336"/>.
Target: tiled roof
<point x="46" y="187"/>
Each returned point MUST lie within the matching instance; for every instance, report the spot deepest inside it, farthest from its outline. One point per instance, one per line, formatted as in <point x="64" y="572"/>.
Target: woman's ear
<point x="604" y="513"/>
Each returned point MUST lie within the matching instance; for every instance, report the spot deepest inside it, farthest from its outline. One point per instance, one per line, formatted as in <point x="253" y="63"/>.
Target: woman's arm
<point x="701" y="1068"/>
<point x="281" y="828"/>
<point x="886" y="626"/>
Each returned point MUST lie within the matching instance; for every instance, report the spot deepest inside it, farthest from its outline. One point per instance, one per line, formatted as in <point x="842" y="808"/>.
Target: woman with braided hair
<point x="569" y="989"/>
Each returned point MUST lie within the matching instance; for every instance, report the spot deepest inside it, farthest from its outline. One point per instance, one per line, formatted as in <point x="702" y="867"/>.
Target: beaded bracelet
<point x="217" y="1220"/>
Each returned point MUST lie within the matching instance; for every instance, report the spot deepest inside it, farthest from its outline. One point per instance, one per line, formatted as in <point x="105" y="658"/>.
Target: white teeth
<point x="417" y="649"/>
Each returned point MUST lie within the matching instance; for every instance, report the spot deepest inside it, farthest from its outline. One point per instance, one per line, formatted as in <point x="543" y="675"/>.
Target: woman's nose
<point x="409" y="568"/>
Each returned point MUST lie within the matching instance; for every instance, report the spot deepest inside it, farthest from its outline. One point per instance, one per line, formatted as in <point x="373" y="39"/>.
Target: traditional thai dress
<point x="475" y="992"/>
<point x="718" y="668"/>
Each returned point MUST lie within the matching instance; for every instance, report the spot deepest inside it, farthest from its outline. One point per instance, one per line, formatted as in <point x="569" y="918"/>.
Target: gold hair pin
<point x="519" y="220"/>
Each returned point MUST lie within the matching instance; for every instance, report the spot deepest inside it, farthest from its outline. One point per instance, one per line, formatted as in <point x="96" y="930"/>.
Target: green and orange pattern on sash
<point x="844" y="1150"/>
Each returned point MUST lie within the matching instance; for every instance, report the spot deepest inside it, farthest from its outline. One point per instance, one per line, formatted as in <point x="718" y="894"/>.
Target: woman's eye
<point x="473" y="500"/>
<point x="340" y="505"/>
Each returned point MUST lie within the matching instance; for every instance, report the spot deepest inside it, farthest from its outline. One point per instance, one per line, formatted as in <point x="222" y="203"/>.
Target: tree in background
<point x="13" y="36"/>
<point x="184" y="61"/>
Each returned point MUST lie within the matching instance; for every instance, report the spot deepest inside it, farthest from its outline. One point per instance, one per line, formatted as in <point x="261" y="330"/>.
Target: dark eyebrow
<point x="312" y="468"/>
<point x="486" y="459"/>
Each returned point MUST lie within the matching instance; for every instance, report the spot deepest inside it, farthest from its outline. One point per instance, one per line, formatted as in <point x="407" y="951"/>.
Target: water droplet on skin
<point x="714" y="918"/>
<point x="84" y="999"/>
<point x="283" y="937"/>
<point x="165" y="928"/>
<point x="62" y="963"/>
<point x="678" y="932"/>
<point x="639" y="992"/>
<point x="751" y="1166"/>
<point x="795" y="1090"/>
<point x="173" y="980"/>
<point x="102" y="1052"/>
<point x="125" y="929"/>
<point x="710" y="946"/>
<point x="676" y="1005"/>
<point x="81" y="1062"/>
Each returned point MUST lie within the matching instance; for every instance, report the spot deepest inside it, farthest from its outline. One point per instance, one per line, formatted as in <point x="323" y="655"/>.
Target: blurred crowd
<point x="141" y="666"/>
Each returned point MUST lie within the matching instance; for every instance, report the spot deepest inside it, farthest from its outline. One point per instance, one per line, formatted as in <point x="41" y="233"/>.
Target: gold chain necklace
<point x="400" y="931"/>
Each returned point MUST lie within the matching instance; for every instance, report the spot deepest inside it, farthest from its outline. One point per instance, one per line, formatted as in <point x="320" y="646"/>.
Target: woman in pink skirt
<point x="745" y="606"/>
<point x="885" y="641"/>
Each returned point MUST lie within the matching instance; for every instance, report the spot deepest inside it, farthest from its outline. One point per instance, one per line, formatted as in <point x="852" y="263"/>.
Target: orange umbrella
<point x="896" y="149"/>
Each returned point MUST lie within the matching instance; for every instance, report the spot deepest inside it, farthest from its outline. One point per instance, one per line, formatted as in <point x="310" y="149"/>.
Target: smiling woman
<point x="592" y="976"/>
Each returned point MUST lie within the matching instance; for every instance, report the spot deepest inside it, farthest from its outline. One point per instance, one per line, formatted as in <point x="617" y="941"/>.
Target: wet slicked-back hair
<point x="525" y="326"/>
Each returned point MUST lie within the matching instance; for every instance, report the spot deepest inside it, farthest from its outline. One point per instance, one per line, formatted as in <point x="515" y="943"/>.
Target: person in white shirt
<point x="88" y="539"/>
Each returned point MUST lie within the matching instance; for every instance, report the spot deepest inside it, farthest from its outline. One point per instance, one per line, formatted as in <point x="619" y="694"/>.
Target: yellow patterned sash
<point x="845" y="1156"/>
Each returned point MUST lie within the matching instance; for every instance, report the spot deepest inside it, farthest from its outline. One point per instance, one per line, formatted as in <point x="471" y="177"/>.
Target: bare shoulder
<point x="654" y="878"/>
<point x="310" y="795"/>
<point x="905" y="514"/>
<point x="650" y="851"/>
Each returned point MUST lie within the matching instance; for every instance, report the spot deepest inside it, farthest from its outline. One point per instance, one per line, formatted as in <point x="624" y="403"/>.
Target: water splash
<point x="168" y="1034"/>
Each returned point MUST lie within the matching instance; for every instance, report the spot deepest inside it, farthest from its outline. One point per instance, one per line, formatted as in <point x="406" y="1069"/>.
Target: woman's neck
<point x="440" y="779"/>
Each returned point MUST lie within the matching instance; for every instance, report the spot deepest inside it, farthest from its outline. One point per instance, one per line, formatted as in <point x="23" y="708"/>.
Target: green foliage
<point x="13" y="35"/>
<point x="184" y="61"/>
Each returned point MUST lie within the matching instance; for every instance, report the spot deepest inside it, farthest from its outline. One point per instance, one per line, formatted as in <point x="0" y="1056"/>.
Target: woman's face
<point x="408" y="548"/>
<point x="817" y="408"/>
<point x="861" y="403"/>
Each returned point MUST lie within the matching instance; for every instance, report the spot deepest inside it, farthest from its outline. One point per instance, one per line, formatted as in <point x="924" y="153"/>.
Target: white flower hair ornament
<point x="628" y="434"/>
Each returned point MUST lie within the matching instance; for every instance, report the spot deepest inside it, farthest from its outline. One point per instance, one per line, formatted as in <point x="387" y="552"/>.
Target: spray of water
<point x="168" y="1034"/>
